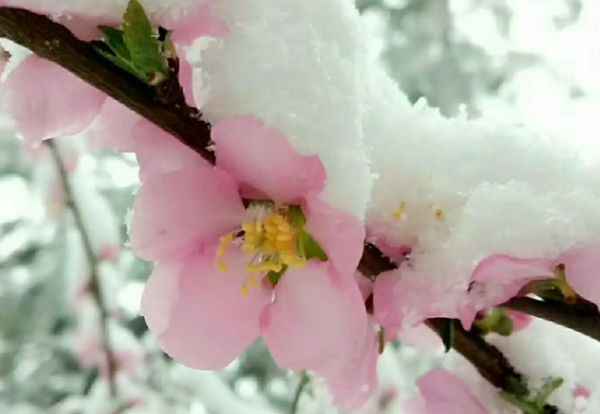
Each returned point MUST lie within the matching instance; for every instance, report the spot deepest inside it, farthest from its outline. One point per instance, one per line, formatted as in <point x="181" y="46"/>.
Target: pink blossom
<point x="35" y="96"/>
<point x="499" y="278"/>
<point x="400" y="300"/>
<point x="110" y="252"/>
<point x="210" y="296"/>
<point x="353" y="386"/>
<point x="442" y="392"/>
<point x="46" y="101"/>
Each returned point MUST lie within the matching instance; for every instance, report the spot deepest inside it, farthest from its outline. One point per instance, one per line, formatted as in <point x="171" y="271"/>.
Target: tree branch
<point x="95" y="288"/>
<point x="581" y="317"/>
<point x="54" y="42"/>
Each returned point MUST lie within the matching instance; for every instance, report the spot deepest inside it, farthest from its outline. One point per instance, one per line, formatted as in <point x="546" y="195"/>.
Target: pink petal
<point x="315" y="323"/>
<point x="421" y="337"/>
<point x="581" y="391"/>
<point x="581" y="269"/>
<point x="400" y="300"/>
<point x="445" y="393"/>
<point x="160" y="295"/>
<point x="365" y="285"/>
<point x="339" y="234"/>
<point x="180" y="211"/>
<point x="262" y="159"/>
<point x="356" y="383"/>
<point x="415" y="405"/>
<point x="209" y="322"/>
<point x="158" y="152"/>
<point x="387" y="313"/>
<point x="46" y="101"/>
<point x="113" y="127"/>
<point x="499" y="278"/>
<point x="503" y="269"/>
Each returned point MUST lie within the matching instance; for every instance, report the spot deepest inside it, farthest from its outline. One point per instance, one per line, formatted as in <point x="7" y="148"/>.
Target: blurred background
<point x="533" y="61"/>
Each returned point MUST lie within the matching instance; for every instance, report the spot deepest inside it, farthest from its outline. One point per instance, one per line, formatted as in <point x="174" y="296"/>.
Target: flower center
<point x="271" y="238"/>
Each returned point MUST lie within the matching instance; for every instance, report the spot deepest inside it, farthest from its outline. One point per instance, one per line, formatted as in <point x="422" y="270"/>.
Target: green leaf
<point x="310" y="247"/>
<point x="549" y="387"/>
<point x="114" y="39"/>
<point x="525" y="406"/>
<point x="141" y="41"/>
<point x="274" y="277"/>
<point x="448" y="334"/>
<point x="123" y="64"/>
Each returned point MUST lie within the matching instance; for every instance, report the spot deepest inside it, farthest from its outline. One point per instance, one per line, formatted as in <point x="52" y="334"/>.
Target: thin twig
<point x="95" y="284"/>
<point x="304" y="381"/>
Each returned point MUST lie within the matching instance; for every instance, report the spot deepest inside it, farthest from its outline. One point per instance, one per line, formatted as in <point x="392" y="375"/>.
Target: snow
<point x="300" y="67"/>
<point x="501" y="188"/>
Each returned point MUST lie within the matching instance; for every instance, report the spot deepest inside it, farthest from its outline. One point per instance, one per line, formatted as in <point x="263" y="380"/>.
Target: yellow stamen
<point x="401" y="211"/>
<point x="222" y="267"/>
<point x="253" y="282"/>
<point x="439" y="214"/>
<point x="245" y="290"/>
<point x="225" y="242"/>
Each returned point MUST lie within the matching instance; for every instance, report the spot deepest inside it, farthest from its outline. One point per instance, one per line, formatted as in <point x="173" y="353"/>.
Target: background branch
<point x="95" y="284"/>
<point x="54" y="42"/>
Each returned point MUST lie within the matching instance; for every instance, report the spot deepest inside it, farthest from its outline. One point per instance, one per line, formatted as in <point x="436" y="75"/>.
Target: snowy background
<point x="530" y="62"/>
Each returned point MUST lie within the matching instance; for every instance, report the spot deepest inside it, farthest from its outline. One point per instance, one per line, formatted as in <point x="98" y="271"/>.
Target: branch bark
<point x="581" y="317"/>
<point x="54" y="42"/>
<point x="95" y="288"/>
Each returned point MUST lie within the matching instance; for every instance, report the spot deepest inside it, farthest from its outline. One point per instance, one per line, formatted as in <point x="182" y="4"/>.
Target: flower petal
<point x="581" y="269"/>
<point x="401" y="301"/>
<point x="160" y="294"/>
<point x="445" y="393"/>
<point x="158" y="152"/>
<point x="182" y="210"/>
<point x="339" y="234"/>
<point x="499" y="278"/>
<point x="315" y="323"/>
<point x="357" y="382"/>
<point x="263" y="159"/>
<point x="47" y="101"/>
<point x="210" y="323"/>
<point x="387" y="313"/>
<point x="503" y="269"/>
<point x="113" y="127"/>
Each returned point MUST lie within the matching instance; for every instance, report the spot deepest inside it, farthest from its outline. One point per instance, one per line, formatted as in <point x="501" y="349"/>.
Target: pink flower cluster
<point x="247" y="248"/>
<point x="236" y="249"/>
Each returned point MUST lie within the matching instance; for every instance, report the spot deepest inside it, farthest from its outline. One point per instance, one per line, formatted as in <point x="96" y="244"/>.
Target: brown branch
<point x="581" y="317"/>
<point x="54" y="42"/>
<point x="95" y="288"/>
